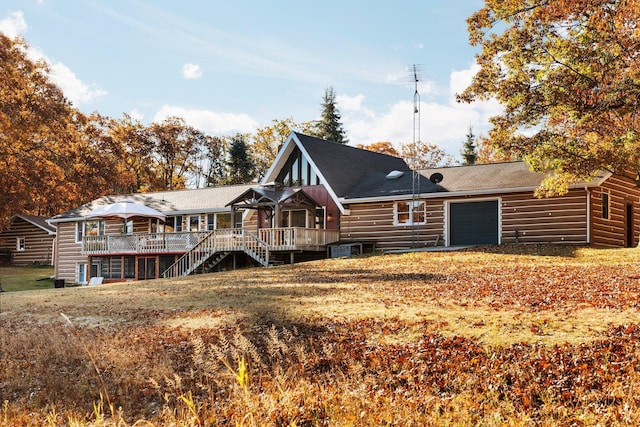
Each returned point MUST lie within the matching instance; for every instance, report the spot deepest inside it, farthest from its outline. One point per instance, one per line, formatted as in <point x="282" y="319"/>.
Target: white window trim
<point x="79" y="231"/>
<point x="82" y="281"/>
<point x="21" y="244"/>
<point x="82" y="226"/>
<point x="199" y="223"/>
<point x="411" y="212"/>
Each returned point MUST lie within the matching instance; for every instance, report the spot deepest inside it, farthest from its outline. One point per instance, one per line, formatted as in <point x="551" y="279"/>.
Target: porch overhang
<point x="273" y="201"/>
<point x="259" y="197"/>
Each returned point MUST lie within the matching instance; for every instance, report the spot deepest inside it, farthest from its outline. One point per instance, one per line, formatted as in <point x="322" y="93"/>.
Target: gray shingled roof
<point x="38" y="221"/>
<point x="487" y="177"/>
<point x="344" y="166"/>
<point x="203" y="200"/>
<point x="379" y="185"/>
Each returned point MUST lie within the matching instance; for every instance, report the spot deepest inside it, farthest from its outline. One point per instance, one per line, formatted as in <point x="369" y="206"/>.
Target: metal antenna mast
<point x="416" y="140"/>
<point x="416" y="106"/>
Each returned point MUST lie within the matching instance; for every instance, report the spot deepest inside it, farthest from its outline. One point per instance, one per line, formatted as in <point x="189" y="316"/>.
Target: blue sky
<point x="235" y="66"/>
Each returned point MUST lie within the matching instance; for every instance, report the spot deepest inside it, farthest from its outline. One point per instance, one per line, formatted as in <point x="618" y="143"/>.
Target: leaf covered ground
<point x="520" y="335"/>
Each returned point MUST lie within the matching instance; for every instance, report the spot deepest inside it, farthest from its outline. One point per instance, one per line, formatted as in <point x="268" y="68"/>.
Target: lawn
<point x="25" y="278"/>
<point x="515" y="335"/>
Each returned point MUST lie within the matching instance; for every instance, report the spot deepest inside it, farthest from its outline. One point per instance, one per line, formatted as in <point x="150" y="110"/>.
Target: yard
<point x="515" y="335"/>
<point x="25" y="278"/>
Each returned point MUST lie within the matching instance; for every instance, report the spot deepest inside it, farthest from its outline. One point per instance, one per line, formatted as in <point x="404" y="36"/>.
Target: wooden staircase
<point x="216" y="246"/>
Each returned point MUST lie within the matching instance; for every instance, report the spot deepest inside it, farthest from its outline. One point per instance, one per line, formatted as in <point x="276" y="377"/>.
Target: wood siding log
<point x="612" y="232"/>
<point x="527" y="219"/>
<point x="38" y="243"/>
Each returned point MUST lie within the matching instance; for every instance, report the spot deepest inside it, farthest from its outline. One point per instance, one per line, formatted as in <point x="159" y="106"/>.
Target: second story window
<point x="173" y="224"/>
<point x="128" y="227"/>
<point x="194" y="223"/>
<point x="89" y="228"/>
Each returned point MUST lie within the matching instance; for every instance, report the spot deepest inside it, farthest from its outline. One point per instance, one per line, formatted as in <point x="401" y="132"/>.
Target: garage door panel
<point x="473" y="223"/>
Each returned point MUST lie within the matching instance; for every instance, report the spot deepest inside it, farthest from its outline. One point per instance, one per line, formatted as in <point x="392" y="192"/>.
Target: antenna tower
<point x="416" y="140"/>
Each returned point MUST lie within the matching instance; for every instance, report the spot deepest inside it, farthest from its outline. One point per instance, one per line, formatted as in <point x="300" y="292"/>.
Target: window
<point x="20" y="244"/>
<point x="194" y="223"/>
<point x="294" y="218"/>
<point x="298" y="171"/>
<point x="410" y="213"/>
<point x="89" y="228"/>
<point x="94" y="228"/>
<point x="82" y="273"/>
<point x="218" y="221"/>
<point x="320" y="218"/>
<point x="237" y="220"/>
<point x="173" y="224"/>
<point x="223" y="221"/>
<point x="128" y="227"/>
<point x="605" y="205"/>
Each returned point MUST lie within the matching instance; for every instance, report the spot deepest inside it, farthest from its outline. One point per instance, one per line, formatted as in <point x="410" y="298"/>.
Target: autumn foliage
<point x="513" y="335"/>
<point x="567" y="74"/>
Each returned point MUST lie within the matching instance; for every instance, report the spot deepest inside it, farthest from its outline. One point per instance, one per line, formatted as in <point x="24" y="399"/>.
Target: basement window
<point x="413" y="212"/>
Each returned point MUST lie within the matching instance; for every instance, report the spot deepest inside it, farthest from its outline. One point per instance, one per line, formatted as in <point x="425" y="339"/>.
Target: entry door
<point x="473" y="223"/>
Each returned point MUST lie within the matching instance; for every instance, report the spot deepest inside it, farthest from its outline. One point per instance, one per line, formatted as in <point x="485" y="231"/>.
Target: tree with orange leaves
<point x="384" y="147"/>
<point x="568" y="75"/>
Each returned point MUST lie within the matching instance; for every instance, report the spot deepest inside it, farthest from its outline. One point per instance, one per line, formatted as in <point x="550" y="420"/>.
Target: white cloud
<point x="14" y="24"/>
<point x="72" y="87"/>
<point x="136" y="115"/>
<point x="444" y="122"/>
<point x="209" y="121"/>
<point x="191" y="71"/>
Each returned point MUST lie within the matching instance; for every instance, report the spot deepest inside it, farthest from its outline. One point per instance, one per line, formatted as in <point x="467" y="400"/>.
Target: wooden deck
<point x="275" y="239"/>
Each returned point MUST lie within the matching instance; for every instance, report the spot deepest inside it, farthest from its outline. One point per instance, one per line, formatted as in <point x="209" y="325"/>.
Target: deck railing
<point x="141" y="243"/>
<point x="295" y="238"/>
<point x="277" y="239"/>
<point x="219" y="241"/>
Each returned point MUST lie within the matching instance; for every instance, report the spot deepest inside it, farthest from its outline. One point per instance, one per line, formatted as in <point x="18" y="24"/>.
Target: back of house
<point x="320" y="195"/>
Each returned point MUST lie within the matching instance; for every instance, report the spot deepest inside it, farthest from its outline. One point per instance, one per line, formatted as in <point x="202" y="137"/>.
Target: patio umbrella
<point x="125" y="209"/>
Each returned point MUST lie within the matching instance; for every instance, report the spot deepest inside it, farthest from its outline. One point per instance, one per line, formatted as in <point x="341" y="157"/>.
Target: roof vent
<point x="394" y="174"/>
<point x="436" y="178"/>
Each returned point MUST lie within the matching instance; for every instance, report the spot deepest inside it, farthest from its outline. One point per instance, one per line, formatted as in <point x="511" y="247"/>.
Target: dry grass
<point x="515" y="335"/>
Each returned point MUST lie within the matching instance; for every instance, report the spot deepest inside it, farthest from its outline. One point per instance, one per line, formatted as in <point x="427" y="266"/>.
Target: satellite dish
<point x="436" y="178"/>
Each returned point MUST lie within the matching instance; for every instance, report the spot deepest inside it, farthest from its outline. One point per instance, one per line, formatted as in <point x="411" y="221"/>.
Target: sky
<point x="235" y="66"/>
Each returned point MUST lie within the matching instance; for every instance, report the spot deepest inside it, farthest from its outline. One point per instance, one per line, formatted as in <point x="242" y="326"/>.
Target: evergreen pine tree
<point x="239" y="166"/>
<point x="469" y="152"/>
<point x="329" y="126"/>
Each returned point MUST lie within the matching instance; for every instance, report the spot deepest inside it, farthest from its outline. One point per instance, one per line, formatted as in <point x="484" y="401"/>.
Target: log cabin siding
<point x="552" y="220"/>
<point x="612" y="232"/>
<point x="527" y="219"/>
<point x="68" y="253"/>
<point x="38" y="244"/>
<point x="373" y="222"/>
